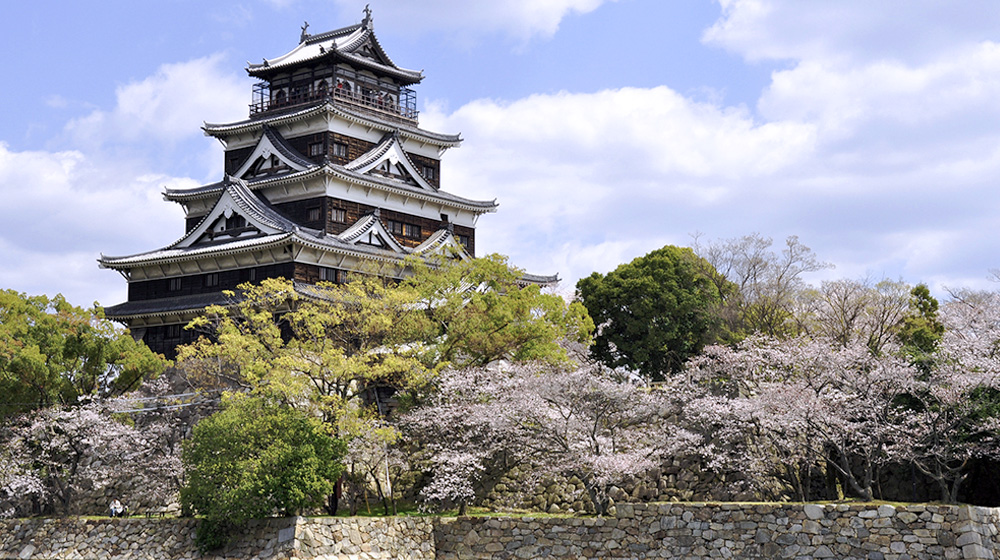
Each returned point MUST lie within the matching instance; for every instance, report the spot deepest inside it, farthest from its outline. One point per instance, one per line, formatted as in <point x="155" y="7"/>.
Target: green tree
<point x="654" y="312"/>
<point x="919" y="330"/>
<point x="333" y="347"/>
<point x="253" y="459"/>
<point x="332" y="343"/>
<point x="52" y="352"/>
<point x="328" y="343"/>
<point x="481" y="310"/>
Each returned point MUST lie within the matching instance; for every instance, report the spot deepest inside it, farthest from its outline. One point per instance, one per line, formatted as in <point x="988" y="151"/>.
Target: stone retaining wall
<point x="733" y="531"/>
<point x="638" y="531"/>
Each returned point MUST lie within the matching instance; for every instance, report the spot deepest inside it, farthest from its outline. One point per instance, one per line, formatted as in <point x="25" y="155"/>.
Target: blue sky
<point x="605" y="128"/>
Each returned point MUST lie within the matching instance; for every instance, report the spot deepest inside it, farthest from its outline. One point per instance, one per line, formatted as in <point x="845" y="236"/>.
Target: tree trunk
<point x="333" y="500"/>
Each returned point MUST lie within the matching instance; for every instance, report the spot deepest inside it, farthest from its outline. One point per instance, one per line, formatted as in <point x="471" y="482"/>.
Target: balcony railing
<point x="375" y="102"/>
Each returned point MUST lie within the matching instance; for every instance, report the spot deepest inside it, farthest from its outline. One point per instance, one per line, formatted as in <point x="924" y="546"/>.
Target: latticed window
<point x="404" y="229"/>
<point x="332" y="275"/>
<point x="235" y="222"/>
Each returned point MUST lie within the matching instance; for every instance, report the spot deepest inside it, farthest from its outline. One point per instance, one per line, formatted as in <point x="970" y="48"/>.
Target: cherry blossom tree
<point x="19" y="487"/>
<point x="58" y="454"/>
<point x="484" y="421"/>
<point x="783" y="408"/>
<point x="803" y="399"/>
<point x="954" y="405"/>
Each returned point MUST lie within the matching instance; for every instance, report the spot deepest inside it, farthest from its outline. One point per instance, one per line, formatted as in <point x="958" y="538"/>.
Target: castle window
<point x="464" y="240"/>
<point x="173" y="284"/>
<point x="332" y="275"/>
<point x="235" y="222"/>
<point x="339" y="149"/>
<point x="316" y="149"/>
<point x="173" y="331"/>
<point x="429" y="173"/>
<point x="338" y="215"/>
<point x="315" y="214"/>
<point x="212" y="280"/>
<point x="406" y="230"/>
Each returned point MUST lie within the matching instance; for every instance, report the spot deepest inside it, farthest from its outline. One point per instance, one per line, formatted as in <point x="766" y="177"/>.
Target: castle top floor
<point x="347" y="66"/>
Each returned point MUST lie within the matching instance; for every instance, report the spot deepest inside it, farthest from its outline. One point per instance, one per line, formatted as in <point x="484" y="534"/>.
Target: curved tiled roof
<point x="540" y="279"/>
<point x="338" y="44"/>
<point x="250" y="206"/>
<point x="390" y="141"/>
<point x="370" y="223"/>
<point x="165" y="306"/>
<point x="177" y="254"/>
<point x="286" y="149"/>
<point x="339" y="171"/>
<point x="478" y="206"/>
<point x="256" y="209"/>
<point x="222" y="130"/>
<point x="438" y="241"/>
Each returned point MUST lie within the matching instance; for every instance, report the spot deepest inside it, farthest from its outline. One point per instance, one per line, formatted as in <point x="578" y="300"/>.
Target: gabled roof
<point x="442" y="242"/>
<point x="389" y="152"/>
<point x="262" y="226"/>
<point x="369" y="230"/>
<point x="355" y="44"/>
<point x="272" y="143"/>
<point x="260" y="219"/>
<point x="266" y="228"/>
<point x="329" y="108"/>
<point x="362" y="171"/>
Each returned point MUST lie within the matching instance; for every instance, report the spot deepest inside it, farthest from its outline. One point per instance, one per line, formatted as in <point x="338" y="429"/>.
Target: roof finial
<point x="367" y="22"/>
<point x="304" y="36"/>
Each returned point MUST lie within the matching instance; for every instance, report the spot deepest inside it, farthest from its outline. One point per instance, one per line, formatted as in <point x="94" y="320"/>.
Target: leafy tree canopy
<point x="480" y="311"/>
<point x="920" y="331"/>
<point x="332" y="343"/>
<point x="253" y="459"/>
<point x="654" y="312"/>
<point x="52" y="352"/>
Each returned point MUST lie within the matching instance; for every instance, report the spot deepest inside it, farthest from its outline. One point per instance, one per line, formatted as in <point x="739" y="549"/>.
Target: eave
<point x="225" y="130"/>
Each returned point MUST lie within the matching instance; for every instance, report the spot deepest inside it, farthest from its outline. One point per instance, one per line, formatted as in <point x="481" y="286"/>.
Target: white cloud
<point x="168" y="106"/>
<point x="878" y="151"/>
<point x="586" y="180"/>
<point x="851" y="30"/>
<point x="520" y="19"/>
<point x="61" y="210"/>
<point x="843" y="98"/>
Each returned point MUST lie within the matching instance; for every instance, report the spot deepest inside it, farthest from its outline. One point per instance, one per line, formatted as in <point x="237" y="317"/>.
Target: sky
<point x="604" y="128"/>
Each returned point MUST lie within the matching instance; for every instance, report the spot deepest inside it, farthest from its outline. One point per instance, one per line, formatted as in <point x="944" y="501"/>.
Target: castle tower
<point x="331" y="173"/>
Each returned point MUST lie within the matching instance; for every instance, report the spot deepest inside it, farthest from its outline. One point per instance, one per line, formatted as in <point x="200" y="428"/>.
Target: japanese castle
<point x="331" y="173"/>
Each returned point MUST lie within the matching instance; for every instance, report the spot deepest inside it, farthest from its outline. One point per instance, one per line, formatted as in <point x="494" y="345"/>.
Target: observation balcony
<point x="390" y="104"/>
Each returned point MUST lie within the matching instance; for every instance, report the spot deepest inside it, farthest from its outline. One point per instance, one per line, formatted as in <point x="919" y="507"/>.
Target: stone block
<point x="814" y="511"/>
<point x="976" y="552"/>
<point x="886" y="510"/>
<point x="969" y="538"/>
